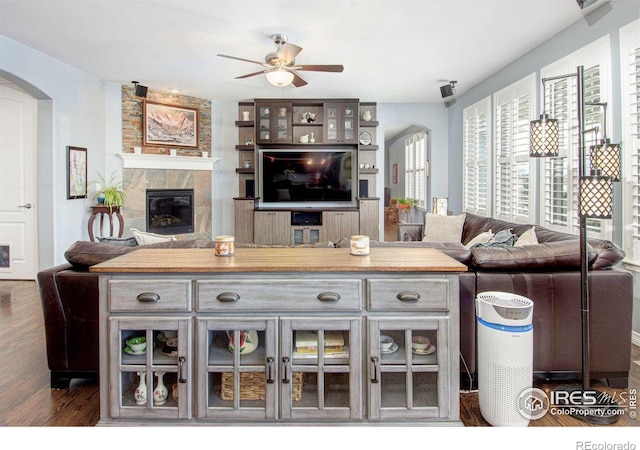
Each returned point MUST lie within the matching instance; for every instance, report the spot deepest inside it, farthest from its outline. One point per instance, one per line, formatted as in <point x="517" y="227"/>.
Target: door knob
<point x="28" y="206"/>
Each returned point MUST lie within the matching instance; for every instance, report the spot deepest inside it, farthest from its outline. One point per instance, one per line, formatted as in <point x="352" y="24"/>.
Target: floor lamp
<point x="595" y="201"/>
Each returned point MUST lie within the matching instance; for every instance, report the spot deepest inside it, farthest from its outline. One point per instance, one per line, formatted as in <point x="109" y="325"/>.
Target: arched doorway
<point x="395" y="183"/>
<point x="39" y="175"/>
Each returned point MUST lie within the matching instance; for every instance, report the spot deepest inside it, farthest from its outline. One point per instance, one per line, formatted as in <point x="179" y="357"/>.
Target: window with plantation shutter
<point x="559" y="179"/>
<point x="476" y="169"/>
<point x="415" y="157"/>
<point x="514" y="169"/>
<point x="630" y="71"/>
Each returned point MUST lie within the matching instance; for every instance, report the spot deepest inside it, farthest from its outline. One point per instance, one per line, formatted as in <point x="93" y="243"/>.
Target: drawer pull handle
<point x="228" y="297"/>
<point x="374" y="360"/>
<point x="270" y="379"/>
<point x="148" y="297"/>
<point x="408" y="296"/>
<point x="328" y="296"/>
<point x="181" y="361"/>
<point x="285" y="364"/>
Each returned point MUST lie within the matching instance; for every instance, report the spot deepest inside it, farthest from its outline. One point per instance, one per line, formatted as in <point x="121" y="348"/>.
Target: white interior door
<point x="18" y="180"/>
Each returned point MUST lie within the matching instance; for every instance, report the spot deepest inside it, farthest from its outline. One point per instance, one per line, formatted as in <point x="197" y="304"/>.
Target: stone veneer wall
<point x="139" y="180"/>
<point x="132" y="121"/>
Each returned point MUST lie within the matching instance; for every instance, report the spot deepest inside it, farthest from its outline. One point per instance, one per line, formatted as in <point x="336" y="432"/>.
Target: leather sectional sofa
<point x="548" y="273"/>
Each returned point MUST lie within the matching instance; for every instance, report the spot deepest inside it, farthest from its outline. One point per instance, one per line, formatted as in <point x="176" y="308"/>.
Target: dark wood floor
<point x="27" y="400"/>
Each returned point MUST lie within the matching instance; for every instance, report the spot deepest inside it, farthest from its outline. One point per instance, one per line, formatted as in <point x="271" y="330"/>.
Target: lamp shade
<point x="607" y="158"/>
<point x="544" y="137"/>
<point x="596" y="197"/>
<point x="280" y="77"/>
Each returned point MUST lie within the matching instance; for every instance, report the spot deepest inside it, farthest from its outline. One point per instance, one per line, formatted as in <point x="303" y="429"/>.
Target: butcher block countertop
<point x="204" y="260"/>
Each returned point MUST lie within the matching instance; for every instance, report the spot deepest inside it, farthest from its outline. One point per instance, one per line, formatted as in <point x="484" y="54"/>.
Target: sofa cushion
<point x="551" y="256"/>
<point x="84" y="254"/>
<point x="443" y="229"/>
<point x="455" y="250"/>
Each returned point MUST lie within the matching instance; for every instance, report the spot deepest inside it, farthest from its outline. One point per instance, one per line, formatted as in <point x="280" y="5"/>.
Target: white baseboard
<point x="635" y="338"/>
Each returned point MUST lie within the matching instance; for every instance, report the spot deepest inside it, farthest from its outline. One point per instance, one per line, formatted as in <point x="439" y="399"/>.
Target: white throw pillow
<point x="527" y="238"/>
<point x="144" y="238"/>
<point x="482" y="238"/>
<point x="443" y="229"/>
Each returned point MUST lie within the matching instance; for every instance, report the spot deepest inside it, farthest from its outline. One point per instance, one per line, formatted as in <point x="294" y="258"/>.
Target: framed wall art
<point x="394" y="172"/>
<point x="169" y="125"/>
<point x="76" y="172"/>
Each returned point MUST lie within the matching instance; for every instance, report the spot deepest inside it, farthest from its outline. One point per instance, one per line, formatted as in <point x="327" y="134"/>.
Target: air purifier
<point x="505" y="356"/>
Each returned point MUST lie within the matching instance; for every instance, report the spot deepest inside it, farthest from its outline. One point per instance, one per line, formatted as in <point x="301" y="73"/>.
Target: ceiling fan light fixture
<point x="279" y="77"/>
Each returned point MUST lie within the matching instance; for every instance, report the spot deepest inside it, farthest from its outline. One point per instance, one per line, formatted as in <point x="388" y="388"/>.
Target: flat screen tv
<point x="307" y="178"/>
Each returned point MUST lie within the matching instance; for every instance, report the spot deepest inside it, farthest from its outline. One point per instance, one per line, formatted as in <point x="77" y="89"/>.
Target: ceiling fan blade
<point x="242" y="59"/>
<point x="288" y="52"/>
<point x="252" y="74"/>
<point x="321" y="68"/>
<point x="297" y="80"/>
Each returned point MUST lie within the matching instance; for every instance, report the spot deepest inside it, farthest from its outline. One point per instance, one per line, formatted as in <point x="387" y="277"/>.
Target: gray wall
<point x="605" y="20"/>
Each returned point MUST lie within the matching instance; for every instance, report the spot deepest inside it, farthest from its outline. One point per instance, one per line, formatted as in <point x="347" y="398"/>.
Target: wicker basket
<point x="252" y="386"/>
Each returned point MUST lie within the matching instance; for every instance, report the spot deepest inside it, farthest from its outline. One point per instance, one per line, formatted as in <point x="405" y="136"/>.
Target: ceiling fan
<point x="280" y="66"/>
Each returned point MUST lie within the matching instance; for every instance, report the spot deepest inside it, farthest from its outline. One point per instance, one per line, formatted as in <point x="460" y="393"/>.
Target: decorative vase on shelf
<point x="160" y="392"/>
<point x="141" y="391"/>
<point x="367" y="115"/>
<point x="312" y="139"/>
<point x="100" y="199"/>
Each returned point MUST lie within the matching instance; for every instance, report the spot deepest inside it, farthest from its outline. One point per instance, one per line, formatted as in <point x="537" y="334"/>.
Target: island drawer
<point x="150" y="295"/>
<point x="278" y="294"/>
<point x="431" y="294"/>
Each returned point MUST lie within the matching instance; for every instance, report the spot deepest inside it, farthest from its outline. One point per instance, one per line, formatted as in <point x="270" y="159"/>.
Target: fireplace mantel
<point x="149" y="161"/>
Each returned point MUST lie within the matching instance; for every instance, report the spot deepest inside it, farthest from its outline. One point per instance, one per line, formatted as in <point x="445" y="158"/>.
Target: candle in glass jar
<point x="225" y="245"/>
<point x="360" y="245"/>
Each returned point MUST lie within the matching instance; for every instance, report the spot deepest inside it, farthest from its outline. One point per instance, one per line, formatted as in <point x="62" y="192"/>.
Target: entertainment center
<point x="306" y="168"/>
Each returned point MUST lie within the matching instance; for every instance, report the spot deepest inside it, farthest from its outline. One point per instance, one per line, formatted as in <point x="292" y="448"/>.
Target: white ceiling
<point x="393" y="51"/>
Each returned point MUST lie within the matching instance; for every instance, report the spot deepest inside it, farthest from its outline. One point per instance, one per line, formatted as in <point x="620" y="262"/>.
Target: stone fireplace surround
<point x="138" y="180"/>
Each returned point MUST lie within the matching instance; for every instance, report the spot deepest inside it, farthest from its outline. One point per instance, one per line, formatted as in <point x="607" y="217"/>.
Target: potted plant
<point x="110" y="192"/>
<point x="404" y="207"/>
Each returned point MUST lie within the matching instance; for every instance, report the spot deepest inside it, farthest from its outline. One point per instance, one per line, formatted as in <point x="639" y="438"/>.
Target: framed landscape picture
<point x="76" y="172"/>
<point x="169" y="125"/>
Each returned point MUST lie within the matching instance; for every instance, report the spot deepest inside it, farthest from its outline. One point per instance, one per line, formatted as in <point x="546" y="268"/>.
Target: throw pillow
<point x="482" y="238"/>
<point x="144" y="238"/>
<point x="128" y="242"/>
<point x="527" y="238"/>
<point x="443" y="229"/>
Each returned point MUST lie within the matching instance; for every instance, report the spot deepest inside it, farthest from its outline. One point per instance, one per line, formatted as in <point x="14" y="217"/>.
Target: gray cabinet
<point x="340" y="224"/>
<point x="283" y="346"/>
<point x="369" y="211"/>
<point x="306" y="234"/>
<point x="272" y="227"/>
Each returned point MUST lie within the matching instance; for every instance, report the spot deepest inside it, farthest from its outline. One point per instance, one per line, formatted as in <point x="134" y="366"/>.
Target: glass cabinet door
<point x="282" y="123"/>
<point x="264" y="123"/>
<point x="408" y="368"/>
<point x="331" y="122"/>
<point x="320" y="368"/>
<point x="349" y="124"/>
<point x="237" y="368"/>
<point x="150" y="376"/>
